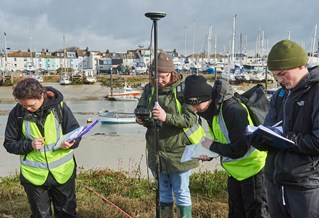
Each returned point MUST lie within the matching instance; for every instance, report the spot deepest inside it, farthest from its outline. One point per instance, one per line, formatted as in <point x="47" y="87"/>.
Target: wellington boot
<point x="166" y="210"/>
<point x="184" y="211"/>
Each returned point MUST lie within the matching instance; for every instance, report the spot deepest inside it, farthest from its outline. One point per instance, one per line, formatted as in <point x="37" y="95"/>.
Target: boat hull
<point x="122" y="98"/>
<point x="127" y="91"/>
<point x="117" y="118"/>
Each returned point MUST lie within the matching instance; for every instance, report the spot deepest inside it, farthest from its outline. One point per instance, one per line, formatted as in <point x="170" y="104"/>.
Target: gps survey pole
<point x="155" y="16"/>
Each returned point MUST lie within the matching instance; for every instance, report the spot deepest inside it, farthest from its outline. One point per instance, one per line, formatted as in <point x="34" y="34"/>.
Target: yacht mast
<point x="5" y="52"/>
<point x="209" y="41"/>
<point x="215" y="47"/>
<point x="185" y="43"/>
<point x="64" y="54"/>
<point x="314" y="42"/>
<point x="194" y="41"/>
<point x="233" y="40"/>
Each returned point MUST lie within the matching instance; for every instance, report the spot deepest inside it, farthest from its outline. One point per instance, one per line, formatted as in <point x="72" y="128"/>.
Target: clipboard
<point x="77" y="133"/>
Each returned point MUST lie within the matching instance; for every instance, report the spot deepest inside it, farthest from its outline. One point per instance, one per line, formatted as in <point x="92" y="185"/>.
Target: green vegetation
<point x="120" y="80"/>
<point x="132" y="194"/>
<point x="134" y="80"/>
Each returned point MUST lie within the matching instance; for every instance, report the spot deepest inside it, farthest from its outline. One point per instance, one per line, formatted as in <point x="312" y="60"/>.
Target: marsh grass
<point x="132" y="194"/>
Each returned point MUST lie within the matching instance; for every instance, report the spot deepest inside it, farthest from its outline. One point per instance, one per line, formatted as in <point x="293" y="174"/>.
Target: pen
<point x="277" y="124"/>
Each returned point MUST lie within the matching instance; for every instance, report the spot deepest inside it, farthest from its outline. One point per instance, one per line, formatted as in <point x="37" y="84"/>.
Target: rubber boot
<point x="166" y="210"/>
<point x="184" y="211"/>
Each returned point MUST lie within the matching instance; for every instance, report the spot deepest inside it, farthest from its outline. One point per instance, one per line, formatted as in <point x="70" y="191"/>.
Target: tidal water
<point x="90" y="109"/>
<point x="113" y="154"/>
<point x="83" y="110"/>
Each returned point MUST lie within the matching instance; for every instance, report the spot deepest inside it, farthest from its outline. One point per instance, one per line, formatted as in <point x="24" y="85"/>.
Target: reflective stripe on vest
<point x="49" y="166"/>
<point x="195" y="133"/>
<point x="35" y="165"/>
<point x="241" y="168"/>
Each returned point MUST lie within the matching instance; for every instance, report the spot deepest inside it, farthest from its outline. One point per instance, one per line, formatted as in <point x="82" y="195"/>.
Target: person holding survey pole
<point x="33" y="129"/>
<point x="292" y="173"/>
<point x="227" y="120"/>
<point x="177" y="128"/>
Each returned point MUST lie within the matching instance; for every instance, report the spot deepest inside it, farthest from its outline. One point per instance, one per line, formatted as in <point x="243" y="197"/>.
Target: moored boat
<point x="126" y="91"/>
<point x="122" y="98"/>
<point x="65" y="80"/>
<point x="114" y="117"/>
<point x="89" y="80"/>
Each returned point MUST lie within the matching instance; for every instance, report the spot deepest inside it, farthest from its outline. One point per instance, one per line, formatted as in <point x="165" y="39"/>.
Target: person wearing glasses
<point x="177" y="125"/>
<point x="34" y="126"/>
<point x="292" y="174"/>
<point x="227" y="120"/>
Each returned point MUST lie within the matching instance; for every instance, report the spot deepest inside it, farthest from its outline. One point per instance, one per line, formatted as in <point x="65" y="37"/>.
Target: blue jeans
<point x="177" y="184"/>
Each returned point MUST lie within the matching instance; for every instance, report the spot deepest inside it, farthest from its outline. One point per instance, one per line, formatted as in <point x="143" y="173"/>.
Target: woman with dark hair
<point x="33" y="128"/>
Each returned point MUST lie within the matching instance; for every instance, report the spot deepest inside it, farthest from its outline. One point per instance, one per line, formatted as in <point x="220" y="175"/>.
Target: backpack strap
<point x="180" y="92"/>
<point x="58" y="111"/>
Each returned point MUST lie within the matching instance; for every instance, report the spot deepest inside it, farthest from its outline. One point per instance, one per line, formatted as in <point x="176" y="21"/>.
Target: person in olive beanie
<point x="286" y="55"/>
<point x="227" y="120"/>
<point x="292" y="174"/>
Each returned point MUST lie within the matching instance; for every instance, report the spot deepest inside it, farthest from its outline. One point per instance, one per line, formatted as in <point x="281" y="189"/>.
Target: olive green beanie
<point x="286" y="55"/>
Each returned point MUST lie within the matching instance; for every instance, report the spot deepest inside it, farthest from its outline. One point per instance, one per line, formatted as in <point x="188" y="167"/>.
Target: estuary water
<point x="95" y="150"/>
<point x="114" y="146"/>
<point x="89" y="109"/>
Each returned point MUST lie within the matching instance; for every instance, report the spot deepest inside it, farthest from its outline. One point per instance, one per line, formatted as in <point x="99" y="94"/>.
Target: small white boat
<point x="39" y="78"/>
<point x="65" y="80"/>
<point x="114" y="117"/>
<point x="123" y="98"/>
<point x="230" y="77"/>
<point x="126" y="91"/>
<point x="89" y="80"/>
<point x="140" y="67"/>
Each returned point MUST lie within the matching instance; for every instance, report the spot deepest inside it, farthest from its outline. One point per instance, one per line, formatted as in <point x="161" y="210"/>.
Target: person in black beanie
<point x="227" y="120"/>
<point x="197" y="90"/>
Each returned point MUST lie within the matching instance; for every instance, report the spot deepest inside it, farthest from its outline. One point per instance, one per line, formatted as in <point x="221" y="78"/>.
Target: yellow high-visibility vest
<point x="241" y="168"/>
<point x="36" y="165"/>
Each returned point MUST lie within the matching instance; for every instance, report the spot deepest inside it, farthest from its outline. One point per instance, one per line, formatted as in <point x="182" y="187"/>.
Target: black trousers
<point x="292" y="202"/>
<point x="62" y="196"/>
<point x="248" y="198"/>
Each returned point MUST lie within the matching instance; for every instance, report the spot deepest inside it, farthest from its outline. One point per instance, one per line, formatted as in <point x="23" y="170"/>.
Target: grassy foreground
<point x="106" y="193"/>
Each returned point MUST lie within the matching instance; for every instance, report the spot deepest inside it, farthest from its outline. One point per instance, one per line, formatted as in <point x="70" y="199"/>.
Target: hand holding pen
<point x="37" y="143"/>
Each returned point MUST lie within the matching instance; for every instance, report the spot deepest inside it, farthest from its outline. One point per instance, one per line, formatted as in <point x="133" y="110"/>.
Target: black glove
<point x="258" y="142"/>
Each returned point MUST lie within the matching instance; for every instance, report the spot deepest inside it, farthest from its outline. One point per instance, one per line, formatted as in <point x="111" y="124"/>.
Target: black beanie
<point x="197" y="90"/>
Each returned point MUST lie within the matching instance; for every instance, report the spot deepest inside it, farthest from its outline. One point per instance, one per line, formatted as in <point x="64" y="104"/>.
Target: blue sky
<point x="120" y="25"/>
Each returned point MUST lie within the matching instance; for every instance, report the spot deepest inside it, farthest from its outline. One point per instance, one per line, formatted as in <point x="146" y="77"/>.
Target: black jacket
<point x="235" y="117"/>
<point x="15" y="142"/>
<point x="299" y="111"/>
